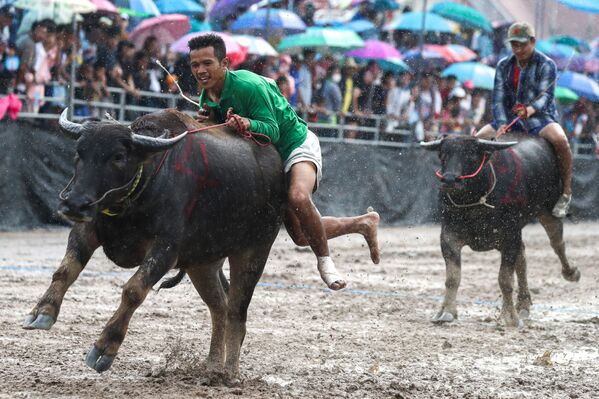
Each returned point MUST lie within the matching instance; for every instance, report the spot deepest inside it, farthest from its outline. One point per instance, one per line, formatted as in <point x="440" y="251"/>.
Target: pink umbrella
<point x="375" y="50"/>
<point x="235" y="51"/>
<point x="451" y="52"/>
<point x="105" y="6"/>
<point x="167" y="28"/>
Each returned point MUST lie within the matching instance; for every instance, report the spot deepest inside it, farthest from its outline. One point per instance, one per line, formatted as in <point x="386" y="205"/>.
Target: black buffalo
<point x="187" y="202"/>
<point x="490" y="190"/>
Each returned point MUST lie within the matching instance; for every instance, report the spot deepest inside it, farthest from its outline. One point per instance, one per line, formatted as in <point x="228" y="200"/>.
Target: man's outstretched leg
<point x="306" y="227"/>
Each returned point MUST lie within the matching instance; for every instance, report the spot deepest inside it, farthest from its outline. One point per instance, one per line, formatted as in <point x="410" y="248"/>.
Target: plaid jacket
<point x="536" y="77"/>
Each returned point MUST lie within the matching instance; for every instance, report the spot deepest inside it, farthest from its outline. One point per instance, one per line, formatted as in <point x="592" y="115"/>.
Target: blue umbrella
<point x="482" y="76"/>
<point x="580" y="84"/>
<point x="224" y="8"/>
<point x="362" y="27"/>
<point x="186" y="7"/>
<point x="555" y="50"/>
<point x="146" y="7"/>
<point x="274" y="20"/>
<point x="591" y="6"/>
<point x="412" y="21"/>
<point x="426" y="60"/>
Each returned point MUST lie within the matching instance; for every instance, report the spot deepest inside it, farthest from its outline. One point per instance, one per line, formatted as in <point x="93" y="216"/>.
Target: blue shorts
<point x="520" y="126"/>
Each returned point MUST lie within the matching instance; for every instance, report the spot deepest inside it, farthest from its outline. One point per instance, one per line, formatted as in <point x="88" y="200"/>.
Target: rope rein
<point x="483" y="199"/>
<point x="243" y="132"/>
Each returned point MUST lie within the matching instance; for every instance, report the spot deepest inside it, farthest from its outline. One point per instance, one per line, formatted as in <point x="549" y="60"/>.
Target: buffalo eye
<point x="119" y="158"/>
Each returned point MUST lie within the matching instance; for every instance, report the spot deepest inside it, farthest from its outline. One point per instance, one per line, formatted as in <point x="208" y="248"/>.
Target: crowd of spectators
<point x="323" y="88"/>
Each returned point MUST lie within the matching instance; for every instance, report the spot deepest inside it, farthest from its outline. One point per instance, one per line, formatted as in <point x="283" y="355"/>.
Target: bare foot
<point x="369" y="224"/>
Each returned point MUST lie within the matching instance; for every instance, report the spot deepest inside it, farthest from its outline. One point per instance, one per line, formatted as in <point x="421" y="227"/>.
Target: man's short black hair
<point x="209" y="40"/>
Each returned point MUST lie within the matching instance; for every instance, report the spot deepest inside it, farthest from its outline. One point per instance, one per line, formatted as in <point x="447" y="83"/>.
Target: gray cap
<point x="520" y="32"/>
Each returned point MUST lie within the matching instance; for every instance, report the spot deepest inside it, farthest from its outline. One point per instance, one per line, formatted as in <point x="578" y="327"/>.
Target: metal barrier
<point x="353" y="129"/>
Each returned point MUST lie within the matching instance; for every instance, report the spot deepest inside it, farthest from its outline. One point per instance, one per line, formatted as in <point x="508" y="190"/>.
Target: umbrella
<point x="565" y="95"/>
<point x="60" y="11"/>
<point x="139" y="7"/>
<point x="580" y="84"/>
<point x="375" y="50"/>
<point x="464" y="15"/>
<point x="453" y="52"/>
<point x="412" y="21"/>
<point x="269" y="21"/>
<point x="393" y="65"/>
<point x="166" y="28"/>
<point x="591" y="6"/>
<point x="481" y="75"/>
<point x="105" y="6"/>
<point x="426" y="60"/>
<point x="235" y="51"/>
<point x="199" y="26"/>
<point x="571" y="41"/>
<point x="578" y="63"/>
<point x="224" y="8"/>
<point x="362" y="27"/>
<point x="555" y="50"/>
<point x="187" y="7"/>
<point x="256" y="45"/>
<point x="72" y="6"/>
<point x="322" y="40"/>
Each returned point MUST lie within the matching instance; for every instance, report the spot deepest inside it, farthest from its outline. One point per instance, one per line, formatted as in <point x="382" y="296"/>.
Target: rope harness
<point x="483" y="199"/>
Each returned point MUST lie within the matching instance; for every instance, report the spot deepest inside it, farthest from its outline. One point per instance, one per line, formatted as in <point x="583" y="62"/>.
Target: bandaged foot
<point x="329" y="274"/>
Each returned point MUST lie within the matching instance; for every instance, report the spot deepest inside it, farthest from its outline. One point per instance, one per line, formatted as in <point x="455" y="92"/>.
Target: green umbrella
<point x="570" y="41"/>
<point x="565" y="95"/>
<point x="322" y="40"/>
<point x="133" y="13"/>
<point x="464" y="15"/>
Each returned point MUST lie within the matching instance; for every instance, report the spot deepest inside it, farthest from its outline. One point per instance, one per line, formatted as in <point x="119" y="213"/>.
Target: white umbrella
<point x="256" y="45"/>
<point x="74" y="6"/>
<point x="62" y="7"/>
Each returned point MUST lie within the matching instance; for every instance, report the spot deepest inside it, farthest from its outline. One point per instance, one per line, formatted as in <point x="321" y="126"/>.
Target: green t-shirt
<point x="259" y="99"/>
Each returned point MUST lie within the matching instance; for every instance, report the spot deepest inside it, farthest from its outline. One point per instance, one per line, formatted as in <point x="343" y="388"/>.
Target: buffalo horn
<point x="72" y="129"/>
<point x="431" y="145"/>
<point x="488" y="145"/>
<point x="148" y="143"/>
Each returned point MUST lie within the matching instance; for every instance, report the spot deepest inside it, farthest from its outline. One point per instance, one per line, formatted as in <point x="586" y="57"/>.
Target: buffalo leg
<point x="159" y="261"/>
<point x="207" y="281"/>
<point x="524" y="300"/>
<point x="246" y="270"/>
<point x="555" y="231"/>
<point x="81" y="245"/>
<point x="451" y="249"/>
<point x="506" y="281"/>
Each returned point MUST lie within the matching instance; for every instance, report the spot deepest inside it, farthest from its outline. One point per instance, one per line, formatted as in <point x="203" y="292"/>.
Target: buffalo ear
<point x="489" y="145"/>
<point x="434" y="145"/>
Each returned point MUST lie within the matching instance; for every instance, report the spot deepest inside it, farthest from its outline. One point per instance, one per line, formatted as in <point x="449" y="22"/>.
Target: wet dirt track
<point x="373" y="340"/>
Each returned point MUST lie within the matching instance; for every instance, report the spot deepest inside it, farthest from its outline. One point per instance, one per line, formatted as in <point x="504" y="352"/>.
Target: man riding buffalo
<point x="524" y="89"/>
<point x="249" y="102"/>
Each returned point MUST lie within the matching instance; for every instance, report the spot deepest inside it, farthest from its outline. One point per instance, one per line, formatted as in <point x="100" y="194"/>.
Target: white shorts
<point x="308" y="151"/>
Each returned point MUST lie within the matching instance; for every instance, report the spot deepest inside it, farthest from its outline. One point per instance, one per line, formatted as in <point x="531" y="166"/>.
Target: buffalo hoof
<point x="98" y="361"/>
<point x="39" y="322"/>
<point x="524" y="314"/>
<point x="573" y="276"/>
<point x="443" y="317"/>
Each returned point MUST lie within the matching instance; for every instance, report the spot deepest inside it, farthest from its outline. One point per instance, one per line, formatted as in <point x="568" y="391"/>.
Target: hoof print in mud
<point x="39" y="322"/>
<point x="97" y="361"/>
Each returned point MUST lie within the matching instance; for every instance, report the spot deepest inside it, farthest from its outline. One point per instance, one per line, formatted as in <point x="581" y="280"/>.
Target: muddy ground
<point x="373" y="340"/>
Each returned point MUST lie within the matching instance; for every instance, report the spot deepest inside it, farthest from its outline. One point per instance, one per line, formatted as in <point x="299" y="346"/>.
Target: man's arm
<point x="547" y="79"/>
<point x="499" y="111"/>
